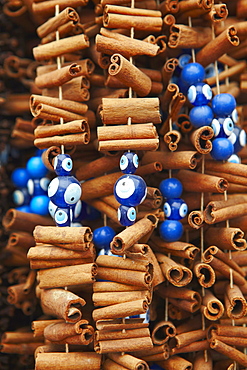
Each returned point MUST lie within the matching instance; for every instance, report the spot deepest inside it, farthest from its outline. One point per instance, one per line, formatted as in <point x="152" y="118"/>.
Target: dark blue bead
<point x="171" y="230"/>
<point x="171" y="188"/>
<point x="222" y="149"/>
<point x="175" y="209"/>
<point x="64" y="191"/>
<point x="193" y="73"/>
<point x="63" y="164"/>
<point x="38" y="186"/>
<point x="126" y="215"/>
<point x="130" y="190"/>
<point x="20" y="177"/>
<point x="129" y="162"/>
<point x="223" y="127"/>
<point x="39" y="205"/>
<point x="21" y="197"/>
<point x="238" y="139"/>
<point x="223" y="104"/>
<point x="201" y="115"/>
<point x="36" y="168"/>
<point x="199" y="94"/>
<point x="103" y="236"/>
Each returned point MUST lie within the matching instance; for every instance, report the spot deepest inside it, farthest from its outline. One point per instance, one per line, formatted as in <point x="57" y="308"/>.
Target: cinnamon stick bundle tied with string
<point x="133" y="137"/>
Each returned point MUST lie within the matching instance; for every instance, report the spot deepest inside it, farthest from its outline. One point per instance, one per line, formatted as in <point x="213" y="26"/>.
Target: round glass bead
<point x="201" y="115"/>
<point x="199" y="94"/>
<point x="63" y="164"/>
<point x="20" y="177"/>
<point x="129" y="162"/>
<point x="39" y="205"/>
<point x="36" y="168"/>
<point x="126" y="215"/>
<point x="64" y="191"/>
<point x="62" y="217"/>
<point x="171" y="188"/>
<point x="175" y="209"/>
<point x="103" y="236"/>
<point x="223" y="104"/>
<point x="238" y="139"/>
<point x="222" y="149"/>
<point x="171" y="230"/>
<point x="183" y="60"/>
<point x="38" y="186"/>
<point x="192" y="73"/>
<point x="130" y="190"/>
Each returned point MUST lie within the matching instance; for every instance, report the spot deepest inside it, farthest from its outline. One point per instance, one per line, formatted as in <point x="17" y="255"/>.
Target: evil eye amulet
<point x="130" y="190"/>
<point x="129" y="162"/>
<point x="201" y="115"/>
<point x="62" y="217"/>
<point x="223" y="127"/>
<point x="38" y="186"/>
<point x="64" y="191"/>
<point x="175" y="209"/>
<point x="171" y="188"/>
<point x="63" y="164"/>
<point x="126" y="215"/>
<point x="199" y="94"/>
<point x="103" y="236"/>
<point x="171" y="230"/>
<point x="238" y="139"/>
<point x="21" y="197"/>
<point x="223" y="104"/>
<point x="222" y="149"/>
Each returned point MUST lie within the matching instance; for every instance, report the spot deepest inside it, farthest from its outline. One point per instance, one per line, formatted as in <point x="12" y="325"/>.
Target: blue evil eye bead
<point x="171" y="230"/>
<point x="21" y="197"/>
<point x="103" y="236"/>
<point x="222" y="149"/>
<point x="201" y="115"/>
<point x="20" y="177"/>
<point x="192" y="73"/>
<point x="171" y="188"/>
<point x="130" y="190"/>
<point x="238" y="139"/>
<point x="36" y="168"/>
<point x="209" y="70"/>
<point x="52" y="209"/>
<point x="63" y="164"/>
<point x="38" y="186"/>
<point x="234" y="159"/>
<point x="223" y="127"/>
<point x="129" y="162"/>
<point x="77" y="212"/>
<point x="199" y="94"/>
<point x="183" y="60"/>
<point x="126" y="215"/>
<point x="62" y="217"/>
<point x="39" y="205"/>
<point x="64" y="191"/>
<point x="223" y="104"/>
<point x="234" y="116"/>
<point x="175" y="209"/>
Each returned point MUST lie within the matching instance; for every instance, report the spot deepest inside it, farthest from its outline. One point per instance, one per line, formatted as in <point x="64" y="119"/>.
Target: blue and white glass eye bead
<point x="130" y="190"/>
<point x="129" y="162"/>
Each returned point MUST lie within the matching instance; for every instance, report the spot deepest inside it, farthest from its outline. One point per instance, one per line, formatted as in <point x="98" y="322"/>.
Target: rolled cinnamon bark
<point x="124" y="276"/>
<point x="133" y="234"/>
<point x="229" y="351"/>
<point x="103" y="335"/>
<point x="63" y="304"/>
<point x="175" y="273"/>
<point x="17" y="295"/>
<point x="184" y="339"/>
<point x="140" y="131"/>
<point x="107" y="298"/>
<point x="225" y="238"/>
<point x="141" y="19"/>
<point x="51" y="113"/>
<point x="56" y="48"/>
<point x="205" y="183"/>
<point x="64" y="332"/>
<point x="15" y="337"/>
<point x="201" y="345"/>
<point x="180" y="249"/>
<point x="162" y="332"/>
<point x="74" y="127"/>
<point x="67" y="275"/>
<point x="101" y="185"/>
<point x="97" y="167"/>
<point x="175" y="160"/>
<point x="38" y="326"/>
<point x="128" y="361"/>
<point x="192" y="37"/>
<point x="235" y="303"/>
<point x="46" y="264"/>
<point x="105" y="208"/>
<point x="109" y="286"/>
<point x="124" y="263"/>
<point x="20" y="348"/>
<point x="205" y="274"/>
<point x="172" y="138"/>
<point x="21" y="239"/>
<point x="119" y="324"/>
<point x="75" y="238"/>
<point x="213" y="215"/>
<point x="111" y="43"/>
<point x="68" y="14"/>
<point x="212" y="308"/>
<point x="176" y="362"/>
<point x="17" y="220"/>
<point x="72" y="90"/>
<point x="135" y="307"/>
<point x="225" y="41"/>
<point x="202" y="363"/>
<point x="71" y="360"/>
<point x="167" y="71"/>
<point x="122" y="345"/>
<point x="130" y="75"/>
<point x="200" y="138"/>
<point x="117" y="111"/>
<point x="196" y="219"/>
<point x="66" y="140"/>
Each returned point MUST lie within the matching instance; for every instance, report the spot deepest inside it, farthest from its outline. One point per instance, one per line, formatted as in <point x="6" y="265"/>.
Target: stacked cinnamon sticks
<point x="194" y="289"/>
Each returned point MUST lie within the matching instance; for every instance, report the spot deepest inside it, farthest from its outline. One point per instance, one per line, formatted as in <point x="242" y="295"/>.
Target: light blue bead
<point x="36" y="168"/>
<point x="171" y="230"/>
<point x="39" y="205"/>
